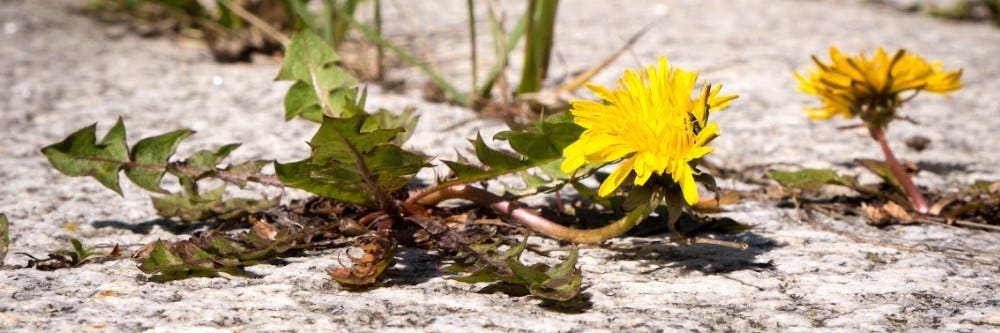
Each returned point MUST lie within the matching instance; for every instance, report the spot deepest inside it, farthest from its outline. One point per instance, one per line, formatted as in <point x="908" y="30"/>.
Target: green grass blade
<point x="373" y="36"/>
<point x="502" y="53"/>
<point x="538" y="47"/>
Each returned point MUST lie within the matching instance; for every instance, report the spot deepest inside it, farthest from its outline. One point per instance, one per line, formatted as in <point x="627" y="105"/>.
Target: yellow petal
<point x="616" y="178"/>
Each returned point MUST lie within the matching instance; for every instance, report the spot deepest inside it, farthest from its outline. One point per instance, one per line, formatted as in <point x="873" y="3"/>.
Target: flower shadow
<point x="662" y="252"/>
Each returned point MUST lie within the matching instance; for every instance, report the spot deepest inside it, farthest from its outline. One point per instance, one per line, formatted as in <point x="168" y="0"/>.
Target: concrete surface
<point x="60" y="71"/>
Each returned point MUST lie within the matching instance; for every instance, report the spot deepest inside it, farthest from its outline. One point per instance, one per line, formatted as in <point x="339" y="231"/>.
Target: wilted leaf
<point x="211" y="253"/>
<point x="208" y="206"/>
<point x="378" y="254"/>
<point x="483" y="262"/>
<point x="984" y="187"/>
<point x="898" y="212"/>
<point x="80" y="155"/>
<point x="563" y="282"/>
<point x="809" y="179"/>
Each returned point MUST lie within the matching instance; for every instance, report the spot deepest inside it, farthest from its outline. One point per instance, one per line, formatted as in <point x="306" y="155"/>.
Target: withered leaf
<point x="379" y="251"/>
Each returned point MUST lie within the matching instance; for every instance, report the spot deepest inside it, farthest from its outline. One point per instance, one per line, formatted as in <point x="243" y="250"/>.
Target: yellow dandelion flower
<point x="652" y="122"/>
<point x="870" y="87"/>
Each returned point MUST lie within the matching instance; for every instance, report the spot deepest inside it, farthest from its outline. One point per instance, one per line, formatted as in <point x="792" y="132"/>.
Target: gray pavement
<point x="60" y="71"/>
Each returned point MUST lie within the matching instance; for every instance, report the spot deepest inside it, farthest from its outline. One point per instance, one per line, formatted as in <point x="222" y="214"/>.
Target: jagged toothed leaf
<point x="485" y="263"/>
<point x="564" y="280"/>
<point x="246" y="171"/>
<point x="340" y="138"/>
<point x="496" y="159"/>
<point x="307" y="51"/>
<point x="328" y="181"/>
<point x="301" y="100"/>
<point x="150" y="153"/>
<point x="532" y="275"/>
<point x="208" y="206"/>
<point x="882" y="170"/>
<point x="349" y="163"/>
<point x="809" y="179"/>
<point x="81" y="155"/>
<point x="209" y="159"/>
<point x="311" y="62"/>
<point x="210" y="253"/>
<point x="386" y="119"/>
<point x="539" y="146"/>
<point x="160" y="259"/>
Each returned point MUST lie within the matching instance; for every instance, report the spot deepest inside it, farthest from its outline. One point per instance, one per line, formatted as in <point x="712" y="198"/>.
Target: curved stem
<point x="530" y="219"/>
<point x="912" y="193"/>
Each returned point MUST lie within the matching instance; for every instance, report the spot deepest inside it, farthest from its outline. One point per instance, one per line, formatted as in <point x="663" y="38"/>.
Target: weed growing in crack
<point x="359" y="173"/>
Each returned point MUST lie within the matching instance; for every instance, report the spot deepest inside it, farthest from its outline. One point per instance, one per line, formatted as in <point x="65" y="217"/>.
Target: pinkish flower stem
<point x="529" y="218"/>
<point x="916" y="199"/>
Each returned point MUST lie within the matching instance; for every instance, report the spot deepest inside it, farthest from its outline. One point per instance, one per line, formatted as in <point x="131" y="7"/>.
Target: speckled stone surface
<point x="60" y="71"/>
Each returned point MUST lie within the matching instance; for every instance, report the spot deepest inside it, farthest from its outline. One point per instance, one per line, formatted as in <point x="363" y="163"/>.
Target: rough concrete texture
<point x="60" y="71"/>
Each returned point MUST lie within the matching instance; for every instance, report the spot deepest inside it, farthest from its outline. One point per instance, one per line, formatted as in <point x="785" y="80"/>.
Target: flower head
<point x="871" y="87"/>
<point x="652" y="122"/>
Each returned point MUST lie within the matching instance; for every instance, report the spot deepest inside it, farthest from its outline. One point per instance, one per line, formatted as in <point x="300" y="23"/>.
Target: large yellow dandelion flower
<point x="652" y="122"/>
<point x="870" y="87"/>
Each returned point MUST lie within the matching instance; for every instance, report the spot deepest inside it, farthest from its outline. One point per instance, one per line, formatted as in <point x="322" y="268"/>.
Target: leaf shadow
<point x="146" y="227"/>
<point x="413" y="266"/>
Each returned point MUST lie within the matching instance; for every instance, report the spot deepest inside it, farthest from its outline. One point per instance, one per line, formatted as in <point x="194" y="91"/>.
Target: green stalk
<point x="328" y="18"/>
<point x="503" y="52"/>
<point x="379" y="50"/>
<point x="340" y="23"/>
<point x="373" y="36"/>
<point x="538" y="47"/>
<point x="302" y="15"/>
<point x="471" y="6"/>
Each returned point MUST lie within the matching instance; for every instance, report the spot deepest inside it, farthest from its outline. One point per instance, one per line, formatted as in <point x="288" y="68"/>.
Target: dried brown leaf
<point x="378" y="254"/>
<point x="263" y="229"/>
<point x="875" y="215"/>
<point x="897" y="212"/>
<point x="939" y="206"/>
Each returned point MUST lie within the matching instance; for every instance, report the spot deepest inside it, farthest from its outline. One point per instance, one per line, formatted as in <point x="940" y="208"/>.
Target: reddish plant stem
<point x="528" y="218"/>
<point x="916" y="199"/>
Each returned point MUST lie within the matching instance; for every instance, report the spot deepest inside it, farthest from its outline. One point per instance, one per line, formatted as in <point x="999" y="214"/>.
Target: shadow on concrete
<point x="413" y="266"/>
<point x="942" y="168"/>
<point x="705" y="258"/>
<point x="146" y="227"/>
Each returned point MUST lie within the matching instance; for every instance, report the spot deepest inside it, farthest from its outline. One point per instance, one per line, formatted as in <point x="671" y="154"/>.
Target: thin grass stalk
<point x="303" y="17"/>
<point x="369" y="33"/>
<point x="340" y="24"/>
<point x="471" y="6"/>
<point x="503" y="52"/>
<point x="538" y="46"/>
<point x="379" y="50"/>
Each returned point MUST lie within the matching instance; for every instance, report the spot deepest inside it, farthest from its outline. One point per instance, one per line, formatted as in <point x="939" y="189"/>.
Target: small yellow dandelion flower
<point x="870" y="87"/>
<point x="652" y="122"/>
